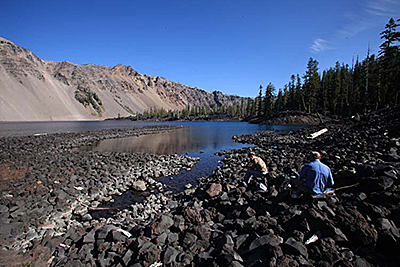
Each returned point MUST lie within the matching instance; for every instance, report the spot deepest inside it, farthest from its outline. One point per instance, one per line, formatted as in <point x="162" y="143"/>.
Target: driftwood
<point x="316" y="134"/>
<point x="340" y="188"/>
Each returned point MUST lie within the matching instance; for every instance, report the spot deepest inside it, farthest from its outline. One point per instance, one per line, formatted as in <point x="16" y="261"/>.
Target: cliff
<point x="32" y="89"/>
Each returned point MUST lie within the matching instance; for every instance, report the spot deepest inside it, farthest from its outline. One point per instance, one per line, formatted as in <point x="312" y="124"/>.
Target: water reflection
<point x="194" y="137"/>
<point x="177" y="141"/>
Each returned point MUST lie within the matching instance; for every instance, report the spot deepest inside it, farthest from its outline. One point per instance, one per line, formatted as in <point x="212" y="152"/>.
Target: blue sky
<point x="231" y="46"/>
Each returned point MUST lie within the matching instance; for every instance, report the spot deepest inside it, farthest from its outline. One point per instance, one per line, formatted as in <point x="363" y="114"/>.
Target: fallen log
<point x="340" y="188"/>
<point x="316" y="134"/>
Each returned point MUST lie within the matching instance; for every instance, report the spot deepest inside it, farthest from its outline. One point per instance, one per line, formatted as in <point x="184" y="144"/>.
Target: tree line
<point x="342" y="90"/>
<point x="192" y="112"/>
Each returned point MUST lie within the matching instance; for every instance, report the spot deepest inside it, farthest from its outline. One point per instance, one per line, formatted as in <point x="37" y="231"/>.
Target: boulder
<point x="163" y="223"/>
<point x="139" y="186"/>
<point x="353" y="224"/>
<point x="293" y="247"/>
<point x="214" y="189"/>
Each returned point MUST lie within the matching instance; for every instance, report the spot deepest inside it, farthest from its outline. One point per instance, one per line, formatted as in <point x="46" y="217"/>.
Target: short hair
<point x="315" y="155"/>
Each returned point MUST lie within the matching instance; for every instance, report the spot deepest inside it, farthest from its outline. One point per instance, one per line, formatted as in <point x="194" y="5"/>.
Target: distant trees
<point x="226" y="112"/>
<point x="87" y="97"/>
<point x="370" y="84"/>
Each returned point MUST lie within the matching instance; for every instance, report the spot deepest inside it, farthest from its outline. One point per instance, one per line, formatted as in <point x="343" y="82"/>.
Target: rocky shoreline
<point x="47" y="188"/>
<point x="221" y="222"/>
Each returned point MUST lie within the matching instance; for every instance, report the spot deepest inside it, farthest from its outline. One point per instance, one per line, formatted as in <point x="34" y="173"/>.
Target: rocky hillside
<point x="32" y="89"/>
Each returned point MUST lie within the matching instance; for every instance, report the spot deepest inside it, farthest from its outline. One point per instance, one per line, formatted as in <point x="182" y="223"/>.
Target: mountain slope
<point x="32" y="89"/>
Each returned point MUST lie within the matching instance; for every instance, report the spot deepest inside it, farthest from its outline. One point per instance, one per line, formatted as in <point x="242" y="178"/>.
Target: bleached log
<point x="316" y="134"/>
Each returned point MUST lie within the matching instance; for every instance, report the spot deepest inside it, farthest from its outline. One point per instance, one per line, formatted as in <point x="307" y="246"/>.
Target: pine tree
<point x="258" y="108"/>
<point x="390" y="61"/>
<point x="291" y="105"/>
<point x="312" y="84"/>
<point x="355" y="94"/>
<point x="268" y="106"/>
<point x="279" y="101"/>
<point x="240" y="113"/>
<point x="346" y="82"/>
<point x="300" y="94"/>
<point x="285" y="97"/>
<point x="325" y="86"/>
<point x="249" y="107"/>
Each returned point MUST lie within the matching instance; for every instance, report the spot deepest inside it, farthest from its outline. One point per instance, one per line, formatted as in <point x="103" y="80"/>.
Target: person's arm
<point x="330" y="181"/>
<point x="303" y="172"/>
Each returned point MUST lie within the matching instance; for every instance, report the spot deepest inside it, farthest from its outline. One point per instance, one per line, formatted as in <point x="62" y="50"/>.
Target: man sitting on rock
<point x="256" y="167"/>
<point x="315" y="177"/>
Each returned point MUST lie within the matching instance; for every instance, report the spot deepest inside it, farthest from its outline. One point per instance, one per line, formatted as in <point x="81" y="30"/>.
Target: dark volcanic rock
<point x="221" y="221"/>
<point x="355" y="225"/>
<point x="162" y="224"/>
<point x="293" y="247"/>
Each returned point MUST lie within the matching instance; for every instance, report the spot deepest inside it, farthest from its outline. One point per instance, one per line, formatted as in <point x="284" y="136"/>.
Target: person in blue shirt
<point x="315" y="177"/>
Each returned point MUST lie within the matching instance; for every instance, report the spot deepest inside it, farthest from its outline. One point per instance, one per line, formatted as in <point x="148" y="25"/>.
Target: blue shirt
<point x="317" y="177"/>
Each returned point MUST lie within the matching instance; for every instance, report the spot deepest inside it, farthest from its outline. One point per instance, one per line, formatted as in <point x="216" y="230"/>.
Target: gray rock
<point x="127" y="257"/>
<point x="161" y="239"/>
<point x="335" y="233"/>
<point x="179" y="222"/>
<point x="239" y="240"/>
<point x="139" y="186"/>
<point x="292" y="246"/>
<point x="3" y="209"/>
<point x="172" y="238"/>
<point x="188" y="239"/>
<point x="172" y="204"/>
<point x="169" y="256"/>
<point x="162" y="224"/>
<point x="103" y="231"/>
<point x="10" y="229"/>
<point x="118" y="236"/>
<point x="265" y="239"/>
<point x="87" y="217"/>
<point x="360" y="262"/>
<point x="235" y="264"/>
<point x="149" y="253"/>
<point x="385" y="224"/>
<point x="89" y="237"/>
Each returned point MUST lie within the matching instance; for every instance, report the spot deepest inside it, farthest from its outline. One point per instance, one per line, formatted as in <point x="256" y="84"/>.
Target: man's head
<point x="252" y="155"/>
<point x="314" y="155"/>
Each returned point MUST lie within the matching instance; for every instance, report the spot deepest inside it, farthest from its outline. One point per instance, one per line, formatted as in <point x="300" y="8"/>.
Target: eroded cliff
<point x="32" y="89"/>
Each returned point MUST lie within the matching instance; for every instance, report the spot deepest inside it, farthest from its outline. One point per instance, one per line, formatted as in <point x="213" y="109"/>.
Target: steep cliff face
<point x="32" y="89"/>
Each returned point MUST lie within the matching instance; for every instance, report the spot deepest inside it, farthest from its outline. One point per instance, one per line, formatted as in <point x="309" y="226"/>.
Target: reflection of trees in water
<point x="188" y="139"/>
<point x="165" y="143"/>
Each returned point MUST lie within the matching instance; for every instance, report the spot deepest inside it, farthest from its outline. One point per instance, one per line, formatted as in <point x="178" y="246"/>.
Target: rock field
<point x="221" y="222"/>
<point x="47" y="189"/>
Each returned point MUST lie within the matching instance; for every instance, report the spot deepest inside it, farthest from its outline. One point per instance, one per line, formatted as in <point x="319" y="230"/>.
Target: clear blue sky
<point x="231" y="46"/>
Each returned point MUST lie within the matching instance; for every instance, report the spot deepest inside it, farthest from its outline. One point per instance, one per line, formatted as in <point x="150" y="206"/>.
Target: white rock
<point x="139" y="186"/>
